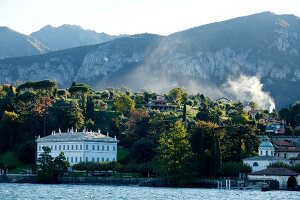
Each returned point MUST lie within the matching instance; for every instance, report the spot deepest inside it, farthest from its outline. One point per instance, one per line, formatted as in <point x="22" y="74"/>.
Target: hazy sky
<point x="132" y="16"/>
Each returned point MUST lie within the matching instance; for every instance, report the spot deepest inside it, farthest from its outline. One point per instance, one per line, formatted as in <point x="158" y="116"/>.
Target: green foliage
<point x="178" y="95"/>
<point x="92" y="167"/>
<point x="175" y="157"/>
<point x="142" y="151"/>
<point x="293" y="167"/>
<point x="136" y="126"/>
<point x="205" y="142"/>
<point x="65" y="114"/>
<point x="50" y="169"/>
<point x="232" y="169"/>
<point x="124" y="104"/>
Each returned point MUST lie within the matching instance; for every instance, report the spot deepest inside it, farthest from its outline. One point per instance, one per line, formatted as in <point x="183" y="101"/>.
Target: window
<point x="114" y="148"/>
<point x="40" y="148"/>
<point x="86" y="147"/>
<point x="260" y="152"/>
<point x="267" y="153"/>
<point x="59" y="147"/>
<point x="284" y="155"/>
<point x="80" y="159"/>
<point x="71" y="159"/>
<point x="98" y="147"/>
<point x="114" y="159"/>
<point x="63" y="147"/>
<point x="72" y="147"/>
<point x="75" y="159"/>
<point x="80" y="147"/>
<point x="68" y="159"/>
<point x="93" y="147"/>
<point x="86" y="159"/>
<point x="102" y="159"/>
<point x="107" y="148"/>
<point x="97" y="159"/>
<point x="255" y="164"/>
<point x="51" y="148"/>
<point x="55" y="147"/>
<point x="76" y="147"/>
<point x="68" y="147"/>
<point x="271" y="153"/>
<point x="107" y="159"/>
<point x="102" y="148"/>
<point x="93" y="159"/>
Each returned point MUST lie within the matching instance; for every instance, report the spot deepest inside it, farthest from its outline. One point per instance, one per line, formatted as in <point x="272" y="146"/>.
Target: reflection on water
<point x="79" y="192"/>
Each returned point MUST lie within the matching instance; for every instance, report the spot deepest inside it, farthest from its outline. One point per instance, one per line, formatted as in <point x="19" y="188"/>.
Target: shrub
<point x="232" y="169"/>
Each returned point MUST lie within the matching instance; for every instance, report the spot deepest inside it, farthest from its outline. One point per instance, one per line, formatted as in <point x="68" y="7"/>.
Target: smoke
<point x="246" y="89"/>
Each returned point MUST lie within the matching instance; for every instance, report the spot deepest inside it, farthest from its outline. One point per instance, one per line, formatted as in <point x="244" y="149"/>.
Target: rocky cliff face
<point x="201" y="59"/>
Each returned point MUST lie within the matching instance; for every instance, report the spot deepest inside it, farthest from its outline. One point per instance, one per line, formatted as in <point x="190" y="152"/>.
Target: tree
<point x="205" y="142"/>
<point x="124" y="104"/>
<point x="159" y="123"/>
<point x="136" y="126"/>
<point x="10" y="120"/>
<point x="101" y="105"/>
<point x="60" y="165"/>
<point x="49" y="169"/>
<point x="45" y="168"/>
<point x="65" y="114"/>
<point x="178" y="95"/>
<point x="174" y="159"/>
<point x="239" y="141"/>
<point x="90" y="113"/>
<point x="142" y="151"/>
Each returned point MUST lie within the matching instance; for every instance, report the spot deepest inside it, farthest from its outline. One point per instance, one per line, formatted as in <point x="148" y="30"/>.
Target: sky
<point x="132" y="16"/>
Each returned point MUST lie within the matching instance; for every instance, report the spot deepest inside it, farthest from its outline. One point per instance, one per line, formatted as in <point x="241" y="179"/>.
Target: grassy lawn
<point x="122" y="153"/>
<point x="10" y="159"/>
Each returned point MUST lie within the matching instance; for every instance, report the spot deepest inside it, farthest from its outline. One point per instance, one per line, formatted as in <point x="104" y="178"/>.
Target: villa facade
<point x="80" y="146"/>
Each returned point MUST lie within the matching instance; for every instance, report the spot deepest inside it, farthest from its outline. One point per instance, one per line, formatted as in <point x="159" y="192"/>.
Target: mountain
<point x="250" y="58"/>
<point x="14" y="44"/>
<point x="69" y="36"/>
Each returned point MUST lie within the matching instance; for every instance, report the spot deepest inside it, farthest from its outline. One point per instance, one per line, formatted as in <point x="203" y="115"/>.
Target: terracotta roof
<point x="285" y="146"/>
<point x="275" y="172"/>
<point x="283" y="143"/>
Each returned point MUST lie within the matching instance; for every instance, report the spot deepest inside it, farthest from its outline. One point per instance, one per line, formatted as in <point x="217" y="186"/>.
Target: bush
<point x="295" y="167"/>
<point x="232" y="169"/>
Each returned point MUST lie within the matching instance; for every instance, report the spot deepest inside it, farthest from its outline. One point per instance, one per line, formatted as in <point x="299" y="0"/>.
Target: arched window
<point x="255" y="164"/>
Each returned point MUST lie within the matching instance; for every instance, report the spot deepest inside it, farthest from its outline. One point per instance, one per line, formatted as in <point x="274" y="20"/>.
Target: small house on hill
<point x="160" y="104"/>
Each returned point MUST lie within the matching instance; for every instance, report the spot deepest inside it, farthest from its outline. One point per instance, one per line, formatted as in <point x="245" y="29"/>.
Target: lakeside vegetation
<point x="205" y="138"/>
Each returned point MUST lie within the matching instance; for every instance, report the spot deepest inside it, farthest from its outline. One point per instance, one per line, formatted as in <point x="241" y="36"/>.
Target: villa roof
<point x="275" y="172"/>
<point x="270" y="158"/>
<point x="76" y="136"/>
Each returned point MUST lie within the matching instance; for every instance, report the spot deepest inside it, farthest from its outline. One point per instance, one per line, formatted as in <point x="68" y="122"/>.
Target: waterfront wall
<point x="18" y="178"/>
<point x="107" y="180"/>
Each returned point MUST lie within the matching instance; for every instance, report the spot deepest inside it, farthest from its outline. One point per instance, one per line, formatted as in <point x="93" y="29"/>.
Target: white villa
<point x="82" y="146"/>
<point x="266" y="156"/>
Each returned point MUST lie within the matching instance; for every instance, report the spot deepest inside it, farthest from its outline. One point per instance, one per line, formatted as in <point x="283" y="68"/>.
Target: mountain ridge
<point x="204" y="59"/>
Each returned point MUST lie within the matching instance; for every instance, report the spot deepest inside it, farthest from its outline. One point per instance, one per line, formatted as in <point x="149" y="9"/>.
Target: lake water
<point x="35" y="191"/>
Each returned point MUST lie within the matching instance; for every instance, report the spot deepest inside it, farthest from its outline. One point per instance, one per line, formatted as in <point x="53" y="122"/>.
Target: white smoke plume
<point x="246" y="89"/>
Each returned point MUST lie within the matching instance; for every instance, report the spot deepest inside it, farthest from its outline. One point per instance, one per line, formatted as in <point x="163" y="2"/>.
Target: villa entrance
<point x="292" y="183"/>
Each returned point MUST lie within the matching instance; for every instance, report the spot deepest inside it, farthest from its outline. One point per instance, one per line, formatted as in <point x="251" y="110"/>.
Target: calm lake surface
<point x="34" y="191"/>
